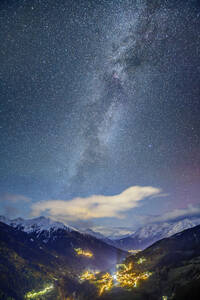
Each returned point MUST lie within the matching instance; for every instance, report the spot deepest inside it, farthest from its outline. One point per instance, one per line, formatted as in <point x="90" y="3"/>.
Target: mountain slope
<point x="174" y="263"/>
<point x="101" y="237"/>
<point x="63" y="240"/>
<point x="27" y="266"/>
<point x="42" y="259"/>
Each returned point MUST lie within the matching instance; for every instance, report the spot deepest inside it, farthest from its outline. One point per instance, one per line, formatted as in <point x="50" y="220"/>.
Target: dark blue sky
<point x="97" y="97"/>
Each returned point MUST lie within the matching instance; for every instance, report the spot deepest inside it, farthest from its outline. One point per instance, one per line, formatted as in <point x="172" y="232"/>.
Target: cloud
<point x="177" y="214"/>
<point x="160" y="195"/>
<point x="11" y="204"/>
<point x="13" y="198"/>
<point x="95" y="206"/>
<point x="10" y="211"/>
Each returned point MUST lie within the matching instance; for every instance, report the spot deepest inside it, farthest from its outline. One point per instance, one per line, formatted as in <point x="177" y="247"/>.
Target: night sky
<point x="100" y="111"/>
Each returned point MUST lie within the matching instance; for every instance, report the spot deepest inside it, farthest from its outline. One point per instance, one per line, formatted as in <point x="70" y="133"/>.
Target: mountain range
<point x="40" y="254"/>
<point x="146" y="235"/>
<point x="140" y="239"/>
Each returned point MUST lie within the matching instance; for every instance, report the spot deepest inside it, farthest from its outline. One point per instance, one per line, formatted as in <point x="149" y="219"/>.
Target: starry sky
<point x="99" y="110"/>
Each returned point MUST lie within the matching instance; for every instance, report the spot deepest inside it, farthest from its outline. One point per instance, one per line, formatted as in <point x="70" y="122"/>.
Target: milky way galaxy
<point x="97" y="97"/>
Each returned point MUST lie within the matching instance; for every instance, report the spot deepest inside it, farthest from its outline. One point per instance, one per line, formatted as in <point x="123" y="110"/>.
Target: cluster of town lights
<point x="133" y="251"/>
<point x="35" y="295"/>
<point x="127" y="278"/>
<point x="82" y="252"/>
<point x="124" y="277"/>
<point x="141" y="260"/>
<point x="88" y="275"/>
<point x="105" y="283"/>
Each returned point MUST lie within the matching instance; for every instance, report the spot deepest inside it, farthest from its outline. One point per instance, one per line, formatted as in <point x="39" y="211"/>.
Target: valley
<point x="72" y="265"/>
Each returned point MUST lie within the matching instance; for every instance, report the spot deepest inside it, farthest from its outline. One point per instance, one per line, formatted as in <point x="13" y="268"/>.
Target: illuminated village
<point x="133" y="251"/>
<point x="82" y="252"/>
<point x="124" y="277"/>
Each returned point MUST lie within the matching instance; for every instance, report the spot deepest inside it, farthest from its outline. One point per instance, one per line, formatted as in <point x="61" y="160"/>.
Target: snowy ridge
<point x="46" y="228"/>
<point x="36" y="225"/>
<point x="151" y="233"/>
<point x="95" y="234"/>
<point x="165" y="229"/>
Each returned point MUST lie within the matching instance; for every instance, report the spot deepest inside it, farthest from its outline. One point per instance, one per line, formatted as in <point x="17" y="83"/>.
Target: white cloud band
<point x="96" y="206"/>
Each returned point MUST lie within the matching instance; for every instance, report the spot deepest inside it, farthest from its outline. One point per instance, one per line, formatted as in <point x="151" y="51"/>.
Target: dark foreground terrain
<point x="34" y="269"/>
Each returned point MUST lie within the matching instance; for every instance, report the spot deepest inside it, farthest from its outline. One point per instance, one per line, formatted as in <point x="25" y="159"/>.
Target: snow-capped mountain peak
<point x="165" y="229"/>
<point x="149" y="234"/>
<point x="36" y="225"/>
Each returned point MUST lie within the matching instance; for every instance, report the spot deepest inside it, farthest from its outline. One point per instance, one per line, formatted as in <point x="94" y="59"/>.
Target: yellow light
<point x="105" y="283"/>
<point x="124" y="277"/>
<point x="132" y="251"/>
<point x="141" y="260"/>
<point x="88" y="275"/>
<point x="32" y="295"/>
<point x="82" y="252"/>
